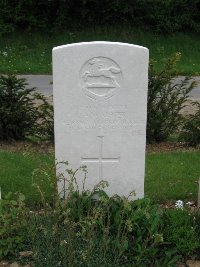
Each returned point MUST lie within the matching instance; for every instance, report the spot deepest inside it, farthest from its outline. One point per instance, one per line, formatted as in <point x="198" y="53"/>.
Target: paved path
<point x="44" y="84"/>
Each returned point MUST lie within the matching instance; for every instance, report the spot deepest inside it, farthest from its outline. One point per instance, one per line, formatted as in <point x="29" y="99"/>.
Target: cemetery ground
<point x="172" y="170"/>
<point x="112" y="232"/>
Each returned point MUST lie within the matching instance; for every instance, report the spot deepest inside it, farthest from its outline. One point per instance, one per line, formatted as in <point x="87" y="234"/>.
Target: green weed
<point x="12" y="224"/>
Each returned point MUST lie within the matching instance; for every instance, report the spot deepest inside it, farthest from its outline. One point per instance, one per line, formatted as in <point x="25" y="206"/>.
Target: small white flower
<point x="5" y="54"/>
<point x="179" y="204"/>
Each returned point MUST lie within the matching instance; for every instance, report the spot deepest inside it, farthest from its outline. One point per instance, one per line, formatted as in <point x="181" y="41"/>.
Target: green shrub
<point x="23" y="112"/>
<point x="45" y="126"/>
<point x="190" y="132"/>
<point x="165" y="100"/>
<point x="13" y="225"/>
<point x="18" y="113"/>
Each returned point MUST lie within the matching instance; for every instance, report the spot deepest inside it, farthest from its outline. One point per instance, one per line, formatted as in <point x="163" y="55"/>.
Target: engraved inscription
<point x="100" y="159"/>
<point x="106" y="118"/>
<point x="100" y="77"/>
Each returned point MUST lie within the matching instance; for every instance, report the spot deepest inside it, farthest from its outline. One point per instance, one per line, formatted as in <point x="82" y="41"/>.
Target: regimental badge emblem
<point x="100" y="77"/>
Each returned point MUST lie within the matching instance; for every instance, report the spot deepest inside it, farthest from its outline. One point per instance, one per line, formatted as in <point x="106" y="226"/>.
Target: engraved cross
<point x="100" y="159"/>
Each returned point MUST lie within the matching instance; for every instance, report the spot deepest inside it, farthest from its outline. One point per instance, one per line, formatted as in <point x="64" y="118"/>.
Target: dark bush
<point x="18" y="113"/>
<point x="165" y="100"/>
<point x="23" y="112"/>
<point x="190" y="132"/>
<point x="158" y="15"/>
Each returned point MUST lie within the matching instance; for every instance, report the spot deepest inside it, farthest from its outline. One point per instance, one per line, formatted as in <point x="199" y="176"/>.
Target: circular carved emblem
<point x="100" y="77"/>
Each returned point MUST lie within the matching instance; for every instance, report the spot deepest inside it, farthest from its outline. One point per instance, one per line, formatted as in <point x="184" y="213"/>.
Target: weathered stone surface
<point x="100" y="104"/>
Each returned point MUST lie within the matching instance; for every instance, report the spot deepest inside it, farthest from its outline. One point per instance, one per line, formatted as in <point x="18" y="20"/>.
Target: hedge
<point x="164" y="16"/>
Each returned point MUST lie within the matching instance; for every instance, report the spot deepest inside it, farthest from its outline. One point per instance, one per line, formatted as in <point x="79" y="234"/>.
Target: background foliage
<point x="159" y="15"/>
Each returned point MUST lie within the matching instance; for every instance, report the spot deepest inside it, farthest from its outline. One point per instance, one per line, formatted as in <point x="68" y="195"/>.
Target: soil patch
<point x="24" y="146"/>
<point x="48" y="147"/>
<point x="169" y="147"/>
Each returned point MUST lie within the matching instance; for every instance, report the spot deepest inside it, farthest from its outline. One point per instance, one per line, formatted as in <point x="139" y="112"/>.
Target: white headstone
<point x="100" y="105"/>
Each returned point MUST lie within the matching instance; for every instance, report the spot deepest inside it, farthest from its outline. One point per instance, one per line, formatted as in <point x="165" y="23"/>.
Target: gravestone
<point x="100" y="109"/>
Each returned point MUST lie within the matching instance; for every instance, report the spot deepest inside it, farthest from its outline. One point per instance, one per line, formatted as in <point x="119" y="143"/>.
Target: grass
<point x="29" y="52"/>
<point x="172" y="176"/>
<point x="17" y="174"/>
<point x="169" y="176"/>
